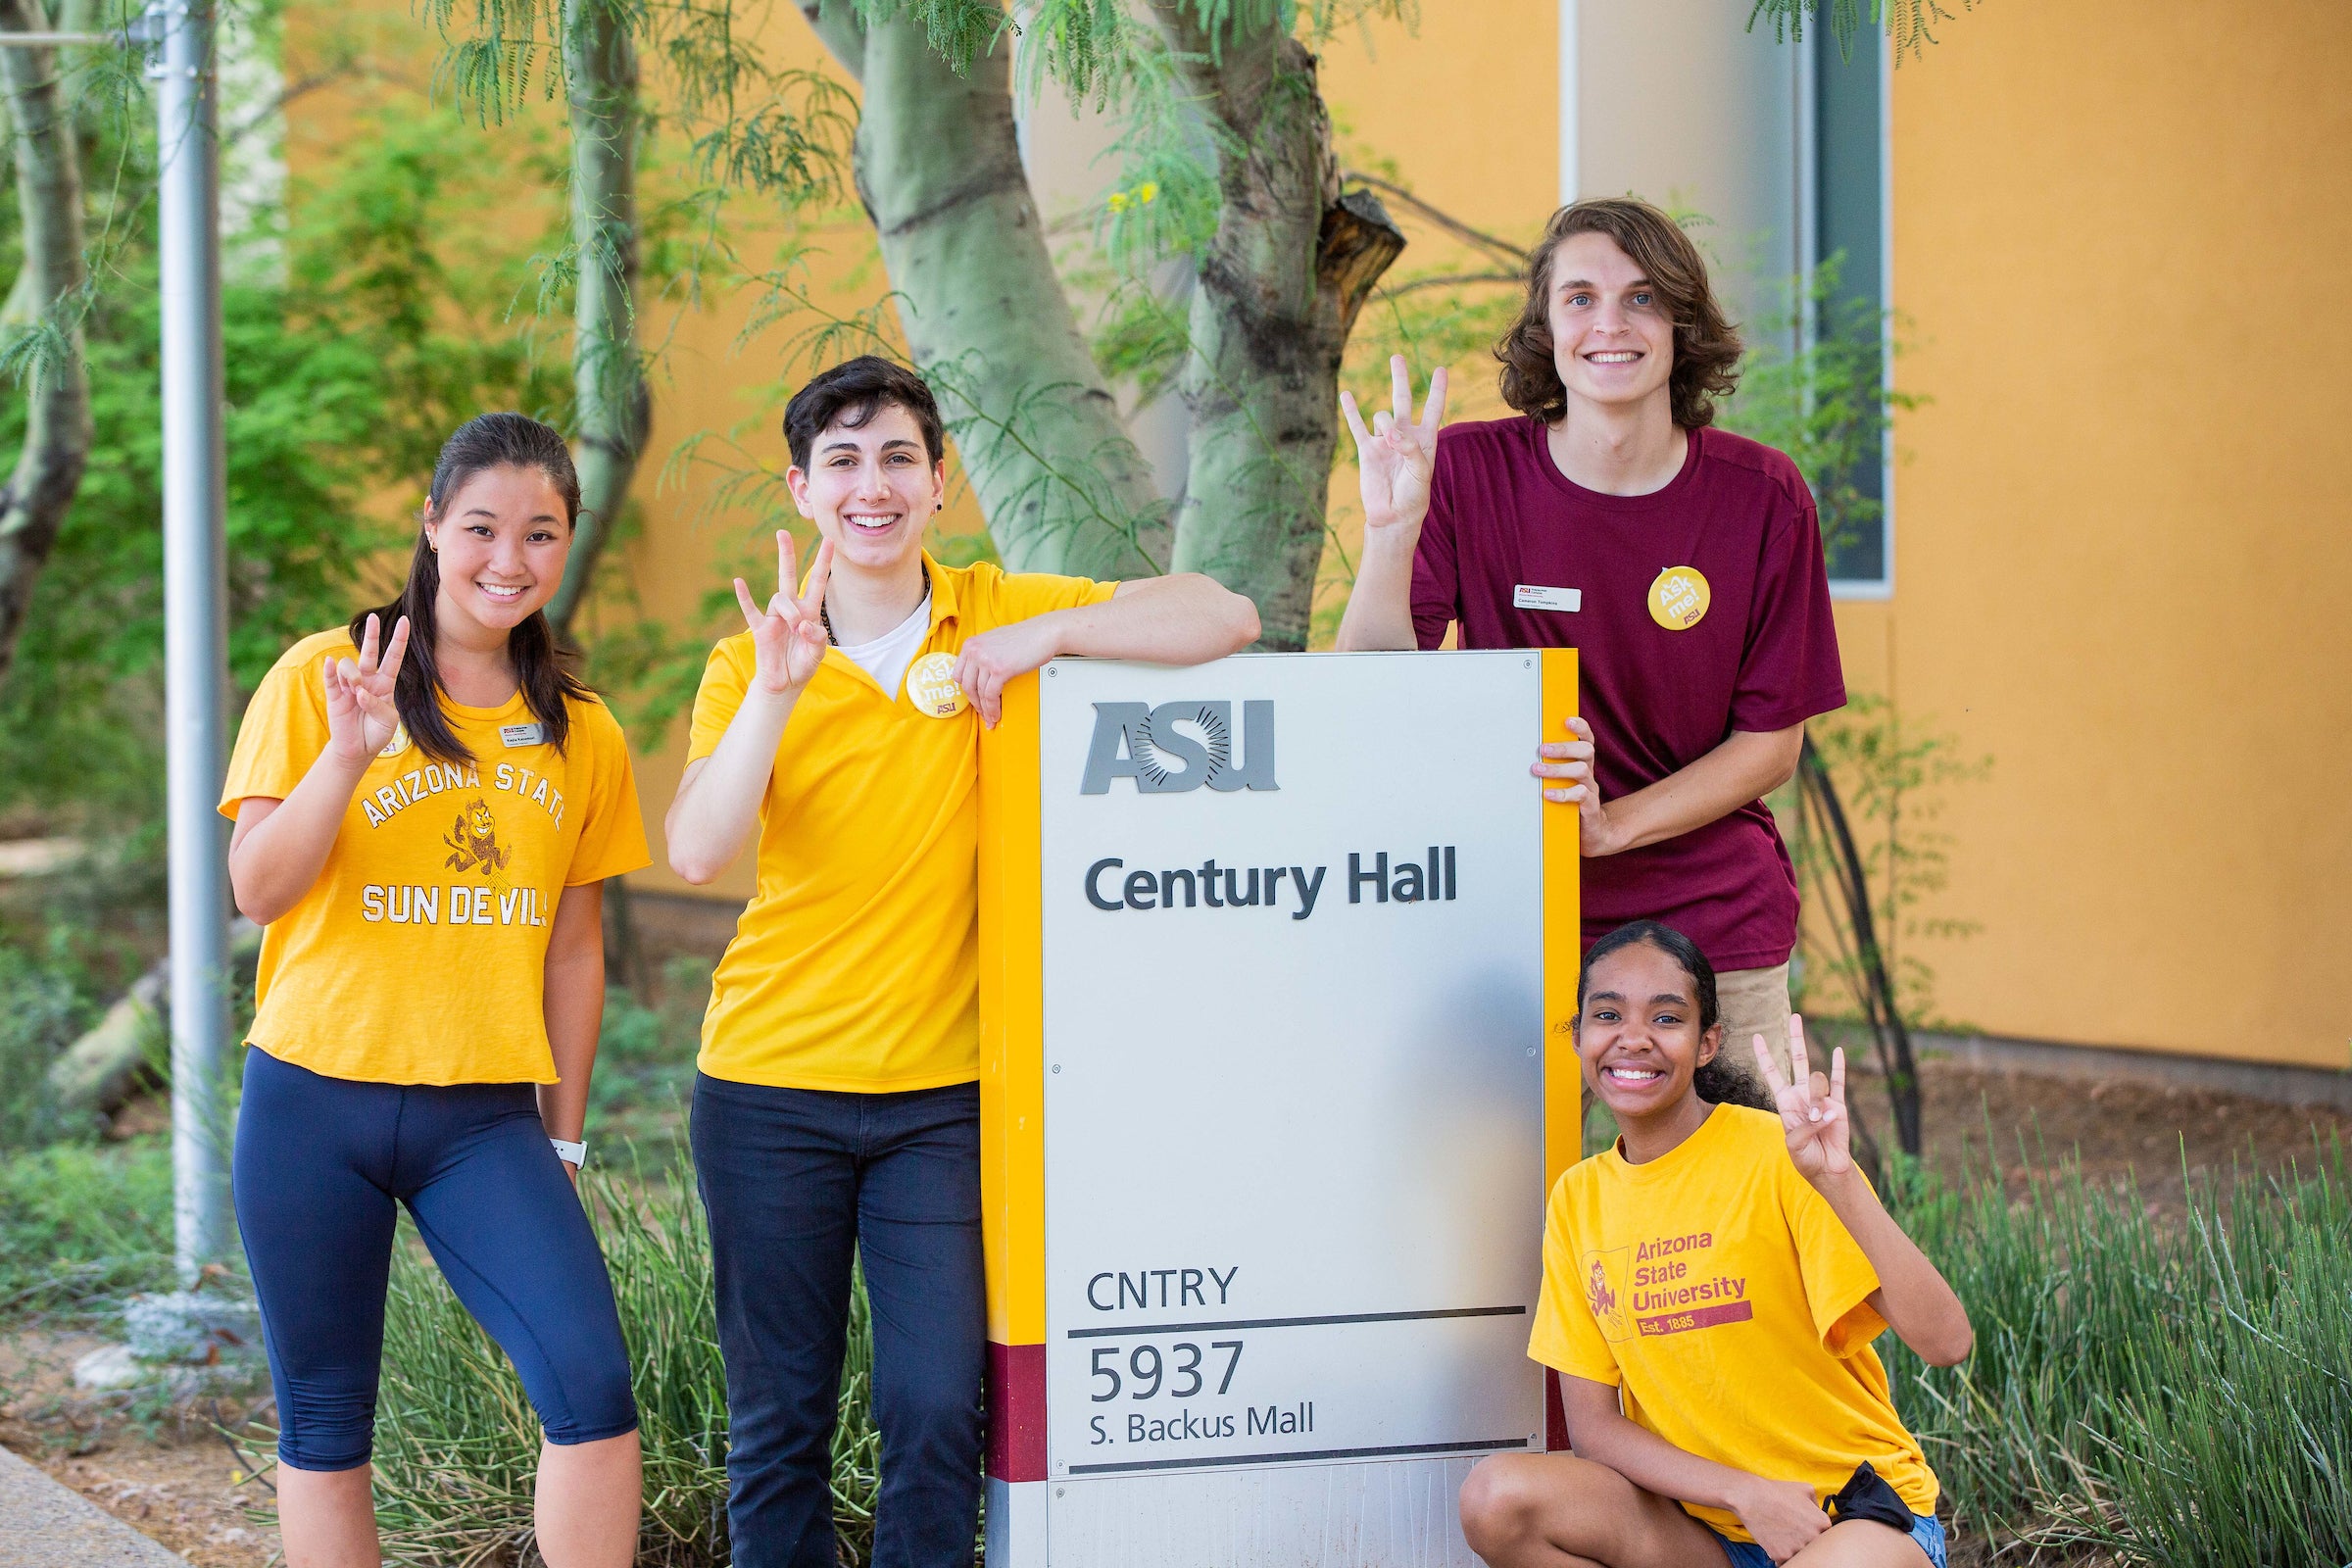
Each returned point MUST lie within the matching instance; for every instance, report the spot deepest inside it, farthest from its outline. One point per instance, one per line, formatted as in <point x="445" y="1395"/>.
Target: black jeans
<point x="795" y="1183"/>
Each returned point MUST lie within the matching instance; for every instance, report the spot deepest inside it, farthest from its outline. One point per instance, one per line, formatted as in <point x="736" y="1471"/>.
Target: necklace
<point x="825" y="615"/>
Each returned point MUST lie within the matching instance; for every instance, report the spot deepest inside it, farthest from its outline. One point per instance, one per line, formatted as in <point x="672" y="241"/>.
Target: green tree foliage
<point x="346" y="367"/>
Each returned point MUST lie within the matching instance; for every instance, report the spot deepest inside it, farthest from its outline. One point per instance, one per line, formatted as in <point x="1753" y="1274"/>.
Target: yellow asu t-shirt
<point x="419" y="957"/>
<point x="1728" y="1303"/>
<point x="857" y="965"/>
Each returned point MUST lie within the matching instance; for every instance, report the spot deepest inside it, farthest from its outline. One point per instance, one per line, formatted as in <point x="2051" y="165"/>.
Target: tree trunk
<point x="57" y="424"/>
<point x="614" y="409"/>
<point x="1061" y="484"/>
<point x="1277" y="292"/>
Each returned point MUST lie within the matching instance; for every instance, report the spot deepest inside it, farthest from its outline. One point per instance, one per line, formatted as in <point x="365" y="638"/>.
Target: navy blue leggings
<point x="319" y="1164"/>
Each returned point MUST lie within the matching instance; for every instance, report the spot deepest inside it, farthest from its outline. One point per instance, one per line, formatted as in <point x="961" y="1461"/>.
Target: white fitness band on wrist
<point x="575" y="1154"/>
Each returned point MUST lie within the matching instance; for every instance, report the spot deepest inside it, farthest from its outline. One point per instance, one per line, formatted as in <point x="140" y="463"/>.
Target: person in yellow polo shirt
<point x="1711" y="1288"/>
<point x="836" y="1113"/>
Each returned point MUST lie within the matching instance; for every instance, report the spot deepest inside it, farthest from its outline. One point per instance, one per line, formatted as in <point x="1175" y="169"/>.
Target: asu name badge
<point x="931" y="686"/>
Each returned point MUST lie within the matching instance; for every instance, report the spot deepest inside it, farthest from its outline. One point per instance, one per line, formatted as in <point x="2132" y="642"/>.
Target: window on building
<point x="1848" y="159"/>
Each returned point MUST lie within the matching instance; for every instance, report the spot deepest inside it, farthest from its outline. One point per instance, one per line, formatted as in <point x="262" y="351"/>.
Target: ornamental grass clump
<point x="2171" y="1391"/>
<point x="2150" y="1389"/>
<point x="457" y="1442"/>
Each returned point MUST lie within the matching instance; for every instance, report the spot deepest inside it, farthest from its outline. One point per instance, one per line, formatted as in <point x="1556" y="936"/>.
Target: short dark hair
<point x="1706" y="346"/>
<point x="851" y="393"/>
<point x="1721" y="1082"/>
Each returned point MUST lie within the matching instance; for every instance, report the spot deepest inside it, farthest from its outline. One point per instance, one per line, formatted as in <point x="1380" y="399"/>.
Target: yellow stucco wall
<point x="2123" y="542"/>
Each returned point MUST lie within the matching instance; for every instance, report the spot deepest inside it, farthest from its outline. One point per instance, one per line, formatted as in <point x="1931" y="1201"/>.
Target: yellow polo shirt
<point x="857" y="965"/>
<point x="1730" y="1306"/>
<point x="420" y="954"/>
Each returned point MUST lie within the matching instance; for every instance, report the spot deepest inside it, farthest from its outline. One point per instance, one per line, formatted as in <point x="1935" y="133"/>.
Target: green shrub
<point x="457" y="1442"/>
<point x="40" y="1013"/>
<point x="82" y="1225"/>
<point x="645" y="1055"/>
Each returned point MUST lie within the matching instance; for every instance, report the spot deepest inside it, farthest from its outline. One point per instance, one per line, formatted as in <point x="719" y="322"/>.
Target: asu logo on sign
<point x="1152" y="746"/>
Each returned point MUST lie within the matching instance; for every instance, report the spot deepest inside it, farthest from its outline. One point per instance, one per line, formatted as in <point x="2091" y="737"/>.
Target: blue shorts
<point x="321" y="1164"/>
<point x="1925" y="1529"/>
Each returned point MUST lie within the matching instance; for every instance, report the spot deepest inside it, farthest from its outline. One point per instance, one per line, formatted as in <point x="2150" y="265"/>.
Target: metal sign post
<point x="1277" y="958"/>
<point x="195" y="616"/>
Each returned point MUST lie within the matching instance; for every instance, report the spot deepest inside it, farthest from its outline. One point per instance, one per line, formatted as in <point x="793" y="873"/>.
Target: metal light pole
<point x="195" y="616"/>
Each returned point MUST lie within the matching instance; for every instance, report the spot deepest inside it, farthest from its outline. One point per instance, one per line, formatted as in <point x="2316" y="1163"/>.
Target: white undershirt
<point x="887" y="657"/>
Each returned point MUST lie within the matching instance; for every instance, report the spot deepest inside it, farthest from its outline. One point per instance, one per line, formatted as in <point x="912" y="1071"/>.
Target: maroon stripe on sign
<point x="1704" y="1317"/>
<point x="1016" y="1412"/>
<point x="1555" y="1414"/>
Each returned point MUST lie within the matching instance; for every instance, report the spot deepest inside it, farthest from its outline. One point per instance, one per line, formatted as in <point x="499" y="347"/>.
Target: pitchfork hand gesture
<point x="788" y="637"/>
<point x="1812" y="1108"/>
<point x="1395" y="459"/>
<point x="360" y="718"/>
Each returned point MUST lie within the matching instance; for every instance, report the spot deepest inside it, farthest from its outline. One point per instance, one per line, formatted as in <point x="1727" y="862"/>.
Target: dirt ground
<point x="163" y="1469"/>
<point x="2158" y="1134"/>
<point x="170" y="1474"/>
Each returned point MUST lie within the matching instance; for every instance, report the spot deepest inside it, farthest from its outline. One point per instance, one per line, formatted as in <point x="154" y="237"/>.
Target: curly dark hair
<point x="1722" y="1081"/>
<point x="1706" y="346"/>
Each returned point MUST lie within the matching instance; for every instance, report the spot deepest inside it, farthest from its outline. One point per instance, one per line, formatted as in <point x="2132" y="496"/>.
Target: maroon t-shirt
<point x="1502" y="516"/>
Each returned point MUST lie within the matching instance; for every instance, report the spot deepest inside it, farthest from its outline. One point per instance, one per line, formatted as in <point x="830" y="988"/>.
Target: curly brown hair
<point x="1706" y="346"/>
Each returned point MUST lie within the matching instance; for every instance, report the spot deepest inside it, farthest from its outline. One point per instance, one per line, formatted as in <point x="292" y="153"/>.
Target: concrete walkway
<point x="43" y="1525"/>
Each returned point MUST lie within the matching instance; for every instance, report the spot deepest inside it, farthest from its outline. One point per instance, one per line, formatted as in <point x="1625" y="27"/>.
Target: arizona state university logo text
<point x="1143" y="743"/>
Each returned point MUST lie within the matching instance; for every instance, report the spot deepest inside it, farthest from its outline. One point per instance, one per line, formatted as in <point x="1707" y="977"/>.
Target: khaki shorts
<point x="1751" y="1003"/>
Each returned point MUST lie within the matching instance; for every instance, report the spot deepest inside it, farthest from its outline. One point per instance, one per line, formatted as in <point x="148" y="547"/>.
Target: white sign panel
<point x="1293" y="1129"/>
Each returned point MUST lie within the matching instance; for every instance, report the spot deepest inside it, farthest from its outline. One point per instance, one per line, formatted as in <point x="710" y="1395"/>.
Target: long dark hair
<point x="1719" y="1082"/>
<point x="485" y="441"/>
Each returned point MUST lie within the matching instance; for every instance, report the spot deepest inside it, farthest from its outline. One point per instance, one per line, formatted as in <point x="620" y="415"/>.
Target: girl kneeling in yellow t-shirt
<point x="425" y="835"/>
<point x="1711" y="1286"/>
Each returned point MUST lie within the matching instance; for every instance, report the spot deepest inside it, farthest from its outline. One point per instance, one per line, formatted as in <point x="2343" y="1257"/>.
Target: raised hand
<point x="1812" y="1107"/>
<point x="1002" y="655"/>
<point x="788" y="637"/>
<point x="361" y="716"/>
<point x="1393" y="459"/>
<point x="1570" y="763"/>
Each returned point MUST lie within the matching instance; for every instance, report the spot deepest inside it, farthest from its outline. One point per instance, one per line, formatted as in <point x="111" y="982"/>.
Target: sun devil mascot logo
<point x="1597" y="1295"/>
<point x="1601" y="1295"/>
<point x="474" y="844"/>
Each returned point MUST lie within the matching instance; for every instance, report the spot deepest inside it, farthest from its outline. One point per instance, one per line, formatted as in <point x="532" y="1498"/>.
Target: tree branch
<point x="1450" y="280"/>
<point x="837" y="27"/>
<point x="613" y="410"/>
<point x="1358" y="244"/>
<point x="1504" y="249"/>
<point x="939" y="167"/>
<point x="49" y="353"/>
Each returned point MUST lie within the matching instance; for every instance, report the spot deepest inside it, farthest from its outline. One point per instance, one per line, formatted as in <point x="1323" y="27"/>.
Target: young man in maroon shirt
<point x="1683" y="562"/>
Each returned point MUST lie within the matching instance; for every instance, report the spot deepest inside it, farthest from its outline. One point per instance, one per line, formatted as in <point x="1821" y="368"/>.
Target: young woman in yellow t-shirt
<point x="425" y="835"/>
<point x="1711" y="1286"/>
